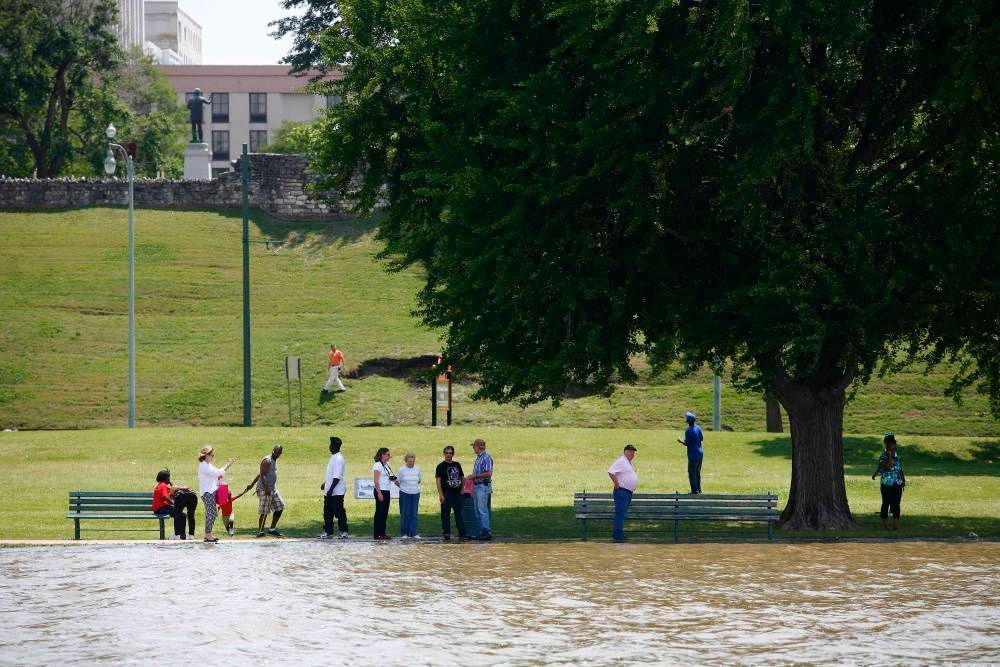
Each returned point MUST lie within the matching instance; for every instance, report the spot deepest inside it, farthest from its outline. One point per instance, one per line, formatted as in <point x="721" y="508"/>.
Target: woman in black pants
<point x="173" y="501"/>
<point x="383" y="481"/>
<point x="185" y="500"/>
<point x="893" y="481"/>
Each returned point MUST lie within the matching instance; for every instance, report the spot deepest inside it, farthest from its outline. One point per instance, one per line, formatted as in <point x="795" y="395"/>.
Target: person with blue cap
<point x="692" y="440"/>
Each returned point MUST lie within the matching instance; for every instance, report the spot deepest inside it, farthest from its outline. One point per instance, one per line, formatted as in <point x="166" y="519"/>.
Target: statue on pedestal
<point x="196" y="105"/>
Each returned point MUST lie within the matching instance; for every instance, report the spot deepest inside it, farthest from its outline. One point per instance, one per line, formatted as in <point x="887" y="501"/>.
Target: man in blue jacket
<point x="692" y="440"/>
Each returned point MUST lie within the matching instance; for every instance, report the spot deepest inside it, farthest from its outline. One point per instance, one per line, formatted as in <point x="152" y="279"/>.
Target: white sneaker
<point x="416" y="537"/>
<point x="175" y="537"/>
<point x="231" y="531"/>
<point x="344" y="536"/>
<point x="325" y="536"/>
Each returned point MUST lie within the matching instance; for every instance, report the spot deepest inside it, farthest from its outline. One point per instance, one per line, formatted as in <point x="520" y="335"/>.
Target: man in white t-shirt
<point x="625" y="479"/>
<point x="334" y="487"/>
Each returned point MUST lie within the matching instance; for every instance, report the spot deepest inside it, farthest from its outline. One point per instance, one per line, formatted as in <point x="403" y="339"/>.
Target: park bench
<point x="112" y="505"/>
<point x="679" y="507"/>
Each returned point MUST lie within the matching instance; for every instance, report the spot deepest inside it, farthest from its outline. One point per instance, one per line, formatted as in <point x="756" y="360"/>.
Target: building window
<point x="220" y="107"/>
<point x="258" y="139"/>
<point x="258" y="107"/>
<point x="220" y="145"/>
<point x="332" y="100"/>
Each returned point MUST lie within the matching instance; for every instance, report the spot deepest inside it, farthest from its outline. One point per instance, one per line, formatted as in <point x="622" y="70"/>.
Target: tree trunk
<point x="773" y="414"/>
<point x="817" y="499"/>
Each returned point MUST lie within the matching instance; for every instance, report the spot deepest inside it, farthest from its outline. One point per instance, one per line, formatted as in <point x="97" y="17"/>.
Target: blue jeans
<point x="623" y="498"/>
<point x="408" y="504"/>
<point x="481" y="495"/>
<point x="694" y="475"/>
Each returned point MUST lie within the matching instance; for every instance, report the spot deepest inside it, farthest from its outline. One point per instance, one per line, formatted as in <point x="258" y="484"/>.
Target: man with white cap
<point x="692" y="440"/>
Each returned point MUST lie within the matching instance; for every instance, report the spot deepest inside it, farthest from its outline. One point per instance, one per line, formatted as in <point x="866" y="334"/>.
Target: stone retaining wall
<point x="278" y="186"/>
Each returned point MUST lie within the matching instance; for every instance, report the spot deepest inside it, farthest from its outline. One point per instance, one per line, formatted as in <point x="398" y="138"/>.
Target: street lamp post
<point x="110" y="165"/>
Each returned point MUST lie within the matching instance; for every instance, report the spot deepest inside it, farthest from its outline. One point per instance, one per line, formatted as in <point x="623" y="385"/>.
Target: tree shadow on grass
<point x="861" y="456"/>
<point x="557" y="523"/>
<point x="294" y="234"/>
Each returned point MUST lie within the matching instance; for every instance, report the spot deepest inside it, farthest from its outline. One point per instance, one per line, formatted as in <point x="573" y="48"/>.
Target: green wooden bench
<point x="112" y="506"/>
<point x="679" y="507"/>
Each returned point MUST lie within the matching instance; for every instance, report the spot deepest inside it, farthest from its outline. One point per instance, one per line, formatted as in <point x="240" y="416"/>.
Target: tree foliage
<point x="307" y="28"/>
<point x="293" y="138"/>
<point x="51" y="55"/>
<point x="143" y="106"/>
<point x="803" y="190"/>
<point x="63" y="78"/>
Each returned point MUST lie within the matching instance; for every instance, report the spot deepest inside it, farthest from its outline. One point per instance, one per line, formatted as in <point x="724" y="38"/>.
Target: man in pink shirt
<point x="625" y="479"/>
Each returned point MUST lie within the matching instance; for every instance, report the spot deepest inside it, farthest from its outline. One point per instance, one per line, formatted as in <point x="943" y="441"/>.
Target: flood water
<point x="346" y="603"/>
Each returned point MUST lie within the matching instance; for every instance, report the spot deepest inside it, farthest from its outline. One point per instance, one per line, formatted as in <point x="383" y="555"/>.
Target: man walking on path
<point x="335" y="366"/>
<point x="625" y="479"/>
<point x="269" y="500"/>
<point x="334" y="487"/>
<point x="482" y="490"/>
<point x="692" y="440"/>
<point x="448" y="477"/>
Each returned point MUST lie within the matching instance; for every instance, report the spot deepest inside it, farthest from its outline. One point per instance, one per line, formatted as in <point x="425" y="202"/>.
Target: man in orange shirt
<point x="336" y="366"/>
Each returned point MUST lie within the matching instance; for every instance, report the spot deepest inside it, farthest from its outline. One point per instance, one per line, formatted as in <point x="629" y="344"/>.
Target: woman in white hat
<point x="208" y="482"/>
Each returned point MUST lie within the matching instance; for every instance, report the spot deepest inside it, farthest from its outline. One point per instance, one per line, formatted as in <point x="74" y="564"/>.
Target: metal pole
<point x="449" y="398"/>
<point x="302" y="419"/>
<point x="131" y="292"/>
<point x="247" y="416"/>
<point x="434" y="391"/>
<point x="716" y="403"/>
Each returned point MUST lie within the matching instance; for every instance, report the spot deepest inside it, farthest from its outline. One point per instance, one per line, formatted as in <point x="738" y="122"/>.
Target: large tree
<point x="52" y="55"/>
<point x="803" y="191"/>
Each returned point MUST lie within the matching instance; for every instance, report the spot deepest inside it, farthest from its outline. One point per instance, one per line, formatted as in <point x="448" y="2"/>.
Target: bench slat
<point x="681" y="505"/>
<point x="113" y="503"/>
<point x="679" y="496"/>
<point x="110" y="494"/>
<point x="115" y="515"/>
<point x="684" y="506"/>
<point x="688" y="508"/>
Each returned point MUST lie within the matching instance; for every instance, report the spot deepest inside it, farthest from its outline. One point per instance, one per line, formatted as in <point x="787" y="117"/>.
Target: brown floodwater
<point x="342" y="602"/>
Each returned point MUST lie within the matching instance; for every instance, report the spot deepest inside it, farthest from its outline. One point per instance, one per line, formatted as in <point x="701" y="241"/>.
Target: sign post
<point x="441" y="397"/>
<point x="293" y="372"/>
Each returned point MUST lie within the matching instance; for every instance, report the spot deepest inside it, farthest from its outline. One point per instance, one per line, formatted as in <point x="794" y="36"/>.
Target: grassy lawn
<point x="63" y="337"/>
<point x="953" y="488"/>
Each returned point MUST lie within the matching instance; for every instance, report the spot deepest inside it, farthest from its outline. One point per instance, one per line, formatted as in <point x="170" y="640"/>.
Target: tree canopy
<point x="294" y="138"/>
<point x="50" y="54"/>
<point x="805" y="192"/>
<point x="64" y="77"/>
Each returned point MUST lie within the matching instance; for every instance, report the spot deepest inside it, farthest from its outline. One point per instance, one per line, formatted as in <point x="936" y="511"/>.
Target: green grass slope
<point x="953" y="483"/>
<point x="63" y="336"/>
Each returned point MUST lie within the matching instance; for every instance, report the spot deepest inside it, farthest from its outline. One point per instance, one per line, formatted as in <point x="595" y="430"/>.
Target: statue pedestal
<point x="197" y="162"/>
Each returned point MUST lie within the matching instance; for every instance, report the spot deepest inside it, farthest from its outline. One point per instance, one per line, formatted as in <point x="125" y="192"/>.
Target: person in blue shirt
<point x="692" y="440"/>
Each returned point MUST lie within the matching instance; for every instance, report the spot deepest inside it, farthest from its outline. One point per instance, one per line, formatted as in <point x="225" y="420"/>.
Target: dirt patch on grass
<point x="415" y="370"/>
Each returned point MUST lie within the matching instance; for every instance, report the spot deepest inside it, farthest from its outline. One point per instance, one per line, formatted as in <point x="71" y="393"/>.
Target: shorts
<point x="268" y="504"/>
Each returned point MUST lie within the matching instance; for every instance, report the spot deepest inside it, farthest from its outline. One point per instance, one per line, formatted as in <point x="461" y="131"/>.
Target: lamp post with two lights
<point x="110" y="166"/>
